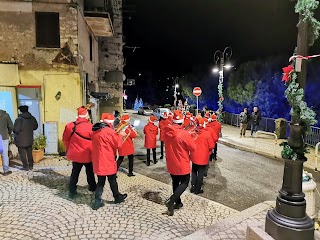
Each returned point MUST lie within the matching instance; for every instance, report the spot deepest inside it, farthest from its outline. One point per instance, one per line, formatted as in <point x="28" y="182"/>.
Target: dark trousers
<point x="26" y="156"/>
<point x="197" y="176"/>
<point x="179" y="185"/>
<point x="130" y="157"/>
<point x="76" y="169"/>
<point x="254" y="128"/>
<point x="112" y="179"/>
<point x="154" y="155"/>
<point x="162" y="146"/>
<point x="214" y="156"/>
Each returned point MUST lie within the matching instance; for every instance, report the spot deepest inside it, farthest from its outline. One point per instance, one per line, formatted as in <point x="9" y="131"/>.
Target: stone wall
<point x="111" y="66"/>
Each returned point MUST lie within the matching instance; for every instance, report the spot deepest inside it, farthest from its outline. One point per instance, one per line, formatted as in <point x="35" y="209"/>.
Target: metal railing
<point x="316" y="156"/>
<point x="266" y="133"/>
<point x="268" y="125"/>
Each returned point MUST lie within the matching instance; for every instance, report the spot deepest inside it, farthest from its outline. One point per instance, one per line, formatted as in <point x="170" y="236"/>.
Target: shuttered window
<point x="47" y="30"/>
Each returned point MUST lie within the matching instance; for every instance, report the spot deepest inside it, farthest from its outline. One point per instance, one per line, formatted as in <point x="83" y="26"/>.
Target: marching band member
<point x="187" y="120"/>
<point x="215" y="128"/>
<point x="127" y="148"/>
<point x="178" y="145"/>
<point x="170" y="117"/>
<point x="105" y="142"/>
<point x="200" y="158"/>
<point x="150" y="140"/>
<point x="77" y="140"/>
<point x="163" y="123"/>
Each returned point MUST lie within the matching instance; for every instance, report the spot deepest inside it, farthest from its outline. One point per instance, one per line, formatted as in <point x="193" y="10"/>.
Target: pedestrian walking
<point x="255" y="120"/>
<point x="77" y="140"/>
<point x="116" y="119"/>
<point x="23" y="129"/>
<point x="244" y="118"/>
<point x="150" y="140"/>
<point x="200" y="158"/>
<point x="105" y="143"/>
<point x="127" y="148"/>
<point x="6" y="127"/>
<point x="163" y="123"/>
<point x="178" y="145"/>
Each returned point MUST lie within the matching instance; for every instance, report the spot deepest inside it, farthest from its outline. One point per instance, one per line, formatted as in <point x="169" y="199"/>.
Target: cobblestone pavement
<point x="35" y="205"/>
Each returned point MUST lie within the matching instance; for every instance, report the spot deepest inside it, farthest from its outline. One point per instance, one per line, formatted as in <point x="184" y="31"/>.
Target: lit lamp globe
<point x="215" y="69"/>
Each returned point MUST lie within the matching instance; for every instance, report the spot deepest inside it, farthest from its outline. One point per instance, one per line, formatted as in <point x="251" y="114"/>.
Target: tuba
<point x="192" y="128"/>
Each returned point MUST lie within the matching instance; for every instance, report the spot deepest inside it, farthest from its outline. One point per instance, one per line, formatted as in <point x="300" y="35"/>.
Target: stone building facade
<point x="49" y="56"/>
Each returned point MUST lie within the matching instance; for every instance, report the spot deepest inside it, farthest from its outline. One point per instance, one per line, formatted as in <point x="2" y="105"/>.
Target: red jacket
<point x="151" y="132"/>
<point x="178" y="145"/>
<point x="105" y="142"/>
<point x="78" y="149"/>
<point x="205" y="144"/>
<point x="162" y="125"/>
<point x="127" y="145"/>
<point x="214" y="128"/>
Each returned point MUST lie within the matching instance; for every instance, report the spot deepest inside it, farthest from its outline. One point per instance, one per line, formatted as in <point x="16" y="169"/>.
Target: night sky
<point x="177" y="35"/>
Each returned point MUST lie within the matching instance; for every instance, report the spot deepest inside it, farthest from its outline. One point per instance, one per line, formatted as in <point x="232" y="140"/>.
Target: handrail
<point x="316" y="157"/>
<point x="266" y="133"/>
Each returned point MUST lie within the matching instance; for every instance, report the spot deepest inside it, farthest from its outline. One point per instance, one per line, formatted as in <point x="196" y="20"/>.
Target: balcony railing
<point x="99" y="16"/>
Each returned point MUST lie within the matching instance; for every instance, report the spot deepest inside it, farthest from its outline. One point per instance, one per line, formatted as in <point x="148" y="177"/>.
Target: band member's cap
<point x="213" y="117"/>
<point x="153" y="119"/>
<point x="201" y="122"/>
<point x="188" y="115"/>
<point x="177" y="116"/>
<point x="165" y="115"/>
<point x="125" y="118"/>
<point x="82" y="112"/>
<point x="107" y="117"/>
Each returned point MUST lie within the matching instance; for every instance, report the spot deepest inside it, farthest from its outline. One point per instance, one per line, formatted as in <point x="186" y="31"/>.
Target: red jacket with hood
<point x="78" y="148"/>
<point x="105" y="142"/>
<point x="178" y="145"/>
<point x="127" y="145"/>
<point x="205" y="144"/>
<point x="162" y="125"/>
<point x="214" y="128"/>
<point x="151" y="132"/>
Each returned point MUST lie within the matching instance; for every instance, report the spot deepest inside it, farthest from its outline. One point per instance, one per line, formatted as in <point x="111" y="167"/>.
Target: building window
<point x="47" y="30"/>
<point x="91" y="42"/>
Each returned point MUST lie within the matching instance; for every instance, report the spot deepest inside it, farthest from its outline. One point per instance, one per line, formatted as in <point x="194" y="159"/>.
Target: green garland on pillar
<point x="307" y="8"/>
<point x="221" y="98"/>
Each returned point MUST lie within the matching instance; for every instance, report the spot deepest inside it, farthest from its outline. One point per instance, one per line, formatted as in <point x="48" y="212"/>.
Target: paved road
<point x="238" y="179"/>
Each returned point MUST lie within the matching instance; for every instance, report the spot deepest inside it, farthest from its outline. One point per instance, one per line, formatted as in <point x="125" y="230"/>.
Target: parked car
<point x="158" y="112"/>
<point x="145" y="111"/>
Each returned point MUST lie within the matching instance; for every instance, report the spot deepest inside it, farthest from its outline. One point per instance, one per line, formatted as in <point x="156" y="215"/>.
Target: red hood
<point x="171" y="131"/>
<point x="152" y="127"/>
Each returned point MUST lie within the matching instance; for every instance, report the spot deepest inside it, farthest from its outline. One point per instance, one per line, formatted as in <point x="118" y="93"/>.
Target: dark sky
<point x="175" y="35"/>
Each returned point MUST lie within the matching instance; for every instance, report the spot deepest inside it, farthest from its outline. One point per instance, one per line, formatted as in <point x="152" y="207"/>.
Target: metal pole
<point x="197" y="105"/>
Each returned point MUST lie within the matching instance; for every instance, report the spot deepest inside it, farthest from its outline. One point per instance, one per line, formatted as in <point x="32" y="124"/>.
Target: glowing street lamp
<point x="219" y="67"/>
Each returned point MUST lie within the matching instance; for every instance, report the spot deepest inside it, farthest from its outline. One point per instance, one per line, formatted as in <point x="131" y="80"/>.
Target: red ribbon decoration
<point x="303" y="57"/>
<point x="287" y="73"/>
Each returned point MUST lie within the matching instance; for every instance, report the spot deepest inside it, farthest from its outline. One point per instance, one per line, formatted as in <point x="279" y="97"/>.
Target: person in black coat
<point x="255" y="119"/>
<point x="23" y="129"/>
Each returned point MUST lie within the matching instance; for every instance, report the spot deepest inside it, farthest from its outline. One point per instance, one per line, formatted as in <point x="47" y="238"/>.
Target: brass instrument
<point x="123" y="126"/>
<point x="193" y="129"/>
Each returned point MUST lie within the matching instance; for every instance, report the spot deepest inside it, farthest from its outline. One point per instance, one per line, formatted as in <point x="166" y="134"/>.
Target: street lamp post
<point x="176" y="85"/>
<point x="219" y="68"/>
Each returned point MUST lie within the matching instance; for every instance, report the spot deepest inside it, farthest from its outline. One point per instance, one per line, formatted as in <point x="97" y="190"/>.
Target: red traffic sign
<point x="197" y="91"/>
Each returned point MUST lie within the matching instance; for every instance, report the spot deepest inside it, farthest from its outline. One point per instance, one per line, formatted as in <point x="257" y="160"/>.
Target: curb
<point x="229" y="222"/>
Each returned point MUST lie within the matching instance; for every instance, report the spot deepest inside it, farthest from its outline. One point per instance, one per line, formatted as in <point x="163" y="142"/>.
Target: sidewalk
<point x="262" y="144"/>
<point x="35" y="205"/>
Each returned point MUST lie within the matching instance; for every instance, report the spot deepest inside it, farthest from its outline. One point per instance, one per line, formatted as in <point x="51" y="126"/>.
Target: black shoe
<point x="97" y="204"/>
<point x="25" y="169"/>
<point x="131" y="175"/>
<point x="7" y="173"/>
<point x="92" y="189"/>
<point x="178" y="206"/>
<point x="72" y="195"/>
<point x="192" y="189"/>
<point x="170" y="207"/>
<point x="161" y="157"/>
<point x="155" y="162"/>
<point x="198" y="192"/>
<point x="120" y="198"/>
